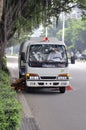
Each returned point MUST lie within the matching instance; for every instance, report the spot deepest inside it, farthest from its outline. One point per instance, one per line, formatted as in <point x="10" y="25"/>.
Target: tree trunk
<point x="2" y="43"/>
<point x="1" y="54"/>
<point x="9" y="12"/>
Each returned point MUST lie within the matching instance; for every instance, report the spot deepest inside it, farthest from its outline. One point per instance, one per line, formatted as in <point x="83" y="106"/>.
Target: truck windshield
<point x="47" y="55"/>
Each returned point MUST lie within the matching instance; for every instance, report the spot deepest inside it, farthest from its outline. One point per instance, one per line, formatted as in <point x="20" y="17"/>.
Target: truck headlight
<point x="32" y="76"/>
<point x="63" y="76"/>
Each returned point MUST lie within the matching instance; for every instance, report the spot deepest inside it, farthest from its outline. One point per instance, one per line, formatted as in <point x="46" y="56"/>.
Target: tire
<point x="62" y="89"/>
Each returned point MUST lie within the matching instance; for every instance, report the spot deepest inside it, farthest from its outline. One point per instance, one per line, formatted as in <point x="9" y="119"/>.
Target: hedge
<point x="10" y="108"/>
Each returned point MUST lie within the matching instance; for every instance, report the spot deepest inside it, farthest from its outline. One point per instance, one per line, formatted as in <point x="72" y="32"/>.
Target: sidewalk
<point x="28" y="120"/>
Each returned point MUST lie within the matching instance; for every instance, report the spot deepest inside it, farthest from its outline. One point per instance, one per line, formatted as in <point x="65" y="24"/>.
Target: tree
<point x="75" y="33"/>
<point x="78" y="33"/>
<point x="28" y="14"/>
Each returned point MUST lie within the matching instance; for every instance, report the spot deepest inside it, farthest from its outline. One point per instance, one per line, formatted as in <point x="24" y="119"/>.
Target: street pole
<point x="63" y="26"/>
<point x="46" y="31"/>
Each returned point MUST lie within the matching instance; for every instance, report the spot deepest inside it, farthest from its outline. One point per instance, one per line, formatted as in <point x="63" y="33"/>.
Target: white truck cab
<point x="44" y="63"/>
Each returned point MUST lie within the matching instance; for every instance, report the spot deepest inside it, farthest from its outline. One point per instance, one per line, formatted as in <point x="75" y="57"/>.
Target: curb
<point x="28" y="120"/>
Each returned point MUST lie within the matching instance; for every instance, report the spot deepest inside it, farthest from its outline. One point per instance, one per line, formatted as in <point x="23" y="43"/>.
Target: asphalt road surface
<point x="55" y="111"/>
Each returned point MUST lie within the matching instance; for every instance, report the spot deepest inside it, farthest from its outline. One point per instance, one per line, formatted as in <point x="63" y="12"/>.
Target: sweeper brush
<point x="19" y="84"/>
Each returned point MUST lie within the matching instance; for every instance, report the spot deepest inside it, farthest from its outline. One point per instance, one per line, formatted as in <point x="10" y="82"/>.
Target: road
<point x="54" y="111"/>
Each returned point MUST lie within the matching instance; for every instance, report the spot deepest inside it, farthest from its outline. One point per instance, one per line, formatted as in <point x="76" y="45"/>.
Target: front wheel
<point x="62" y="89"/>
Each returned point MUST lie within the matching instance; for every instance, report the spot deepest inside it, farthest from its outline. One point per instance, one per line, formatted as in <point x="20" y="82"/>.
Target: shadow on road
<point x="42" y="91"/>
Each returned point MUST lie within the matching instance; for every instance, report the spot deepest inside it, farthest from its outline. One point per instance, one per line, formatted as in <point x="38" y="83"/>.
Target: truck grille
<point x="48" y="77"/>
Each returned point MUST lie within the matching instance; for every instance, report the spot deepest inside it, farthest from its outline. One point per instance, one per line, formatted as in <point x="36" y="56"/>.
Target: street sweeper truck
<point x="44" y="63"/>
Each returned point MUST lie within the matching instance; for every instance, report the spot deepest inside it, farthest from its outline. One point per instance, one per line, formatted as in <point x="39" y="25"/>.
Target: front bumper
<point x="38" y="83"/>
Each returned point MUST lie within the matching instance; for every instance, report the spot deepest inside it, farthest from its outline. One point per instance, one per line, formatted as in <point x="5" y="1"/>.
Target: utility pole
<point x="46" y="31"/>
<point x="63" y="26"/>
<point x="46" y="28"/>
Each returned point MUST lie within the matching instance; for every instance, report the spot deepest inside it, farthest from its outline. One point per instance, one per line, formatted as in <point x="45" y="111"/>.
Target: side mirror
<point x="72" y="59"/>
<point x="23" y="56"/>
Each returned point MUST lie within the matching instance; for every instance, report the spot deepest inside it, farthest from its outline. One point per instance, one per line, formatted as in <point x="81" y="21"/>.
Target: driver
<point x="54" y="55"/>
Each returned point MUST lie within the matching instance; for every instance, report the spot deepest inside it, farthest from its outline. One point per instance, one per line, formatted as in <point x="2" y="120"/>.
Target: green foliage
<point x="10" y="109"/>
<point x="78" y="33"/>
<point x="27" y="15"/>
<point x="4" y="64"/>
<point x="53" y="28"/>
<point x="75" y="34"/>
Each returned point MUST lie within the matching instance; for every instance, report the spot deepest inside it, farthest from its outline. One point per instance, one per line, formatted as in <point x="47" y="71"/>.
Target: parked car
<point x="83" y="57"/>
